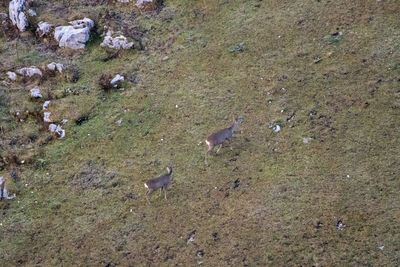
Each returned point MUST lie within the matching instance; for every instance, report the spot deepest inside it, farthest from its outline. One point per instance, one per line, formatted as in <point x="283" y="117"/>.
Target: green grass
<point x="258" y="204"/>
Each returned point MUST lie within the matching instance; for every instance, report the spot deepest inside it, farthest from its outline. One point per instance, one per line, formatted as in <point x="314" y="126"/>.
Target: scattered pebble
<point x="165" y="58"/>
<point x="191" y="237"/>
<point x="22" y="161"/>
<point x="119" y="122"/>
<point x="348" y="176"/>
<point x="340" y="225"/>
<point x="306" y="140"/>
<point x="64" y="121"/>
<point x="277" y="128"/>
<point x="319" y="224"/>
<point x="176" y="106"/>
<point x="32" y="13"/>
<point x="381" y="247"/>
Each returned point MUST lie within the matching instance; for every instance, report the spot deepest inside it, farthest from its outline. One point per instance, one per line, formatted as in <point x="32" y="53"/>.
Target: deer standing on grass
<point x="161" y="182"/>
<point x="219" y="137"/>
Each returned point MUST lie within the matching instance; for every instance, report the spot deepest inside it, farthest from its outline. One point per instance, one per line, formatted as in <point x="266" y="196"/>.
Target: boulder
<point x="16" y="10"/>
<point x="35" y="93"/>
<point x="30" y="71"/>
<point x="117" y="42"/>
<point x="55" y="66"/>
<point x="74" y="36"/>
<point x="44" y="28"/>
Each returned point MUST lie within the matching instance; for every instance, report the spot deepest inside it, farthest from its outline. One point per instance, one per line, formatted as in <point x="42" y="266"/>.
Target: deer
<point x="160" y="182"/>
<point x="219" y="137"/>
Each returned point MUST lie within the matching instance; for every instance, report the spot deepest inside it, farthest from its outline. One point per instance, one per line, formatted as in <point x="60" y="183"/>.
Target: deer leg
<point x="161" y="191"/>
<point x="210" y="148"/>
<point x="219" y="148"/>
<point x="148" y="194"/>
<point x="230" y="143"/>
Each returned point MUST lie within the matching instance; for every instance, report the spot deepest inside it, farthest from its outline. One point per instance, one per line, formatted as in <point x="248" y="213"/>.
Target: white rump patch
<point x="208" y="143"/>
<point x="145" y="185"/>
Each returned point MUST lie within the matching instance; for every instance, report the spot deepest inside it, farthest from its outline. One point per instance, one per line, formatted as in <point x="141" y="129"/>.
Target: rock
<point x="3" y="190"/>
<point x="141" y="3"/>
<point x="32" y="13"/>
<point x="277" y="128"/>
<point x="29" y="71"/>
<point x="44" y="28"/>
<point x="116" y="79"/>
<point x="53" y="66"/>
<point x="46" y="104"/>
<point x="74" y="36"/>
<point x="46" y="117"/>
<point x="57" y="129"/>
<point x="16" y="10"/>
<point x="35" y="93"/>
<point x="306" y="140"/>
<point x="11" y="75"/>
<point x="124" y="1"/>
<point x="117" y="42"/>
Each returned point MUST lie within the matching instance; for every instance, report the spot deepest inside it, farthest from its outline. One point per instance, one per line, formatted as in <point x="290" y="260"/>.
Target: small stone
<point x="277" y="128"/>
<point x="116" y="79"/>
<point x="53" y="66"/>
<point x="141" y="3"/>
<point x="119" y="122"/>
<point x="165" y="58"/>
<point x="11" y="75"/>
<point x="46" y="104"/>
<point x="46" y="116"/>
<point x="340" y="225"/>
<point x="381" y="247"/>
<point x="35" y="93"/>
<point x="64" y="121"/>
<point x="32" y="13"/>
<point x="306" y="140"/>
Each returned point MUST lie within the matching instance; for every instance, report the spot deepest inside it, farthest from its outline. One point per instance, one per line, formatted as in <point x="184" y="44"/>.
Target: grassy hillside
<point x="325" y="70"/>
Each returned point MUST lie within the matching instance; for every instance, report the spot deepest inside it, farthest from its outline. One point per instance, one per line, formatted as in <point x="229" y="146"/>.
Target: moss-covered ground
<point x="327" y="71"/>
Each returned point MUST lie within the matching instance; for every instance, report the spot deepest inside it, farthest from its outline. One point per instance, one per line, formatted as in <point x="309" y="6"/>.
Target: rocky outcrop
<point x="55" y="66"/>
<point x="74" y="36"/>
<point x="16" y="10"/>
<point x="44" y="29"/>
<point x="30" y="71"/>
<point x="117" y="41"/>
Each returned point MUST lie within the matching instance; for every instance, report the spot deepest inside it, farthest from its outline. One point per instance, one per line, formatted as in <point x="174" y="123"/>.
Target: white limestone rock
<point x="46" y="116"/>
<point x="116" y="79"/>
<point x="44" y="28"/>
<point x="30" y="71"/>
<point x="56" y="66"/>
<point x="16" y="10"/>
<point x="4" y="192"/>
<point x="35" y="93"/>
<point x="118" y="42"/>
<point x="46" y="104"/>
<point x="32" y="13"/>
<point x="57" y="129"/>
<point x="74" y="36"/>
<point x="11" y="75"/>
<point x="124" y="1"/>
<point x="141" y="3"/>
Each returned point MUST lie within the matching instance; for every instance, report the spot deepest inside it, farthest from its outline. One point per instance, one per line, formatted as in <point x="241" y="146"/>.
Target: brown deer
<point x="219" y="137"/>
<point x="161" y="182"/>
